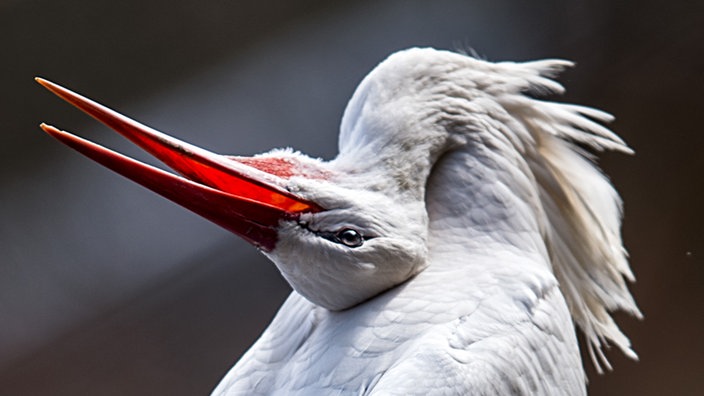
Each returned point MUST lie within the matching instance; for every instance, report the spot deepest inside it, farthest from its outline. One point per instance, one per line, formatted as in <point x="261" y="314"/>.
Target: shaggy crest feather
<point x="582" y="211"/>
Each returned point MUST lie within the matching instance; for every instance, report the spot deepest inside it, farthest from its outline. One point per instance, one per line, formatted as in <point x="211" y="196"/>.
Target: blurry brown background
<point x="108" y="289"/>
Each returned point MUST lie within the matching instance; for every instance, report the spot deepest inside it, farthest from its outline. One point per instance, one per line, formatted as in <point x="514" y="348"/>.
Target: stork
<point x="450" y="248"/>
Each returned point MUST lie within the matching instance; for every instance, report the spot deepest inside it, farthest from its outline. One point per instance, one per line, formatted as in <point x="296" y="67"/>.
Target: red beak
<point x="242" y="199"/>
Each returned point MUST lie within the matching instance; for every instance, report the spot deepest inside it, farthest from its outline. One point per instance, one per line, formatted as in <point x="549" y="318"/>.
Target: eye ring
<point x="349" y="237"/>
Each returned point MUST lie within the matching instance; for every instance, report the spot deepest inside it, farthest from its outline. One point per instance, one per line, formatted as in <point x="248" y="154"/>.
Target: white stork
<point x="450" y="247"/>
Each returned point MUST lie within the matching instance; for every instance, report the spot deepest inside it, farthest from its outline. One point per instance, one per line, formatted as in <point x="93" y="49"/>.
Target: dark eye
<point x="350" y="237"/>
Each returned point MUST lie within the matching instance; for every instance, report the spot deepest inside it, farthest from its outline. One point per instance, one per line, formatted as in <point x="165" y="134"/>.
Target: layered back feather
<point x="581" y="210"/>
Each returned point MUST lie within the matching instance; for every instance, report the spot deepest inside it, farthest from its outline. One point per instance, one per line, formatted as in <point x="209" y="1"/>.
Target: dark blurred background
<point x="106" y="288"/>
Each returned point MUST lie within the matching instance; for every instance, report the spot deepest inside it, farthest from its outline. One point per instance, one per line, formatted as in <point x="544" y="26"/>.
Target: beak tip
<point x="48" y="85"/>
<point x="49" y="129"/>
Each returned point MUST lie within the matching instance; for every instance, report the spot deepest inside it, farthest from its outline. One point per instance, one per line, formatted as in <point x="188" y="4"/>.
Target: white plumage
<point x="492" y="232"/>
<point x="448" y="249"/>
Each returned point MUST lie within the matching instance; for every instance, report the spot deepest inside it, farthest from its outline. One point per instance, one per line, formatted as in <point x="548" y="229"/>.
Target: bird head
<point x="337" y="235"/>
<point x="365" y="241"/>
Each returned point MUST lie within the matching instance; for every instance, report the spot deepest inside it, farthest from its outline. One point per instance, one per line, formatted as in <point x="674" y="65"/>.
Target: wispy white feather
<point x="581" y="208"/>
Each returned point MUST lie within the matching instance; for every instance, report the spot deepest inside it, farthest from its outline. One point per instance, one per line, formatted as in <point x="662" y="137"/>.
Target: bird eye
<point x="350" y="237"/>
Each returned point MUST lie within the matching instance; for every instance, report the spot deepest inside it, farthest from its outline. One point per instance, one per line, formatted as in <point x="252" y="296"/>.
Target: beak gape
<point x="240" y="198"/>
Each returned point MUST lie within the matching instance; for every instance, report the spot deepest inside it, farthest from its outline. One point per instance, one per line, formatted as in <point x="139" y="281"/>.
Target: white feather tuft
<point x="582" y="210"/>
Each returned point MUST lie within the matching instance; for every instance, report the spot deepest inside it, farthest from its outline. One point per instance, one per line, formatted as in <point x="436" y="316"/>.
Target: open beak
<point x="240" y="198"/>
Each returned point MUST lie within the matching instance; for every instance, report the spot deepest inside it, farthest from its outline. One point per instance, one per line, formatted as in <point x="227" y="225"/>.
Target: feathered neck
<point x="428" y="104"/>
